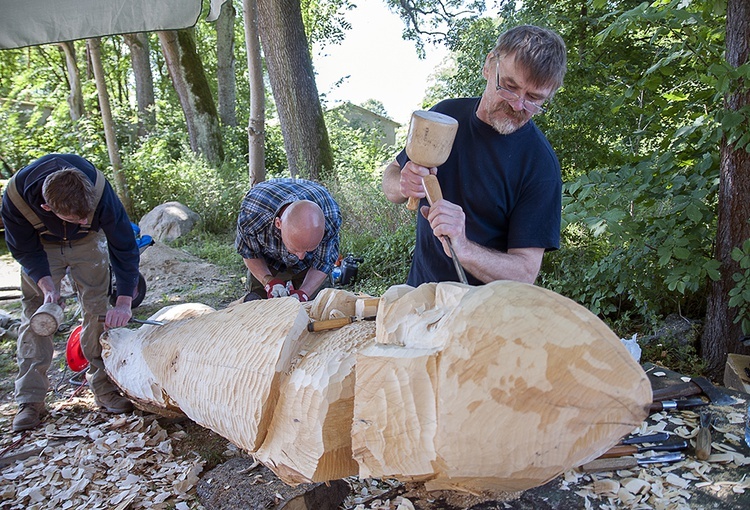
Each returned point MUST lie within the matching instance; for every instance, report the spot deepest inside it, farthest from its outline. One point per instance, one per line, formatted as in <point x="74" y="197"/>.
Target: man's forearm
<point x="392" y="184"/>
<point x="259" y="269"/>
<point x="488" y="265"/>
<point x="313" y="280"/>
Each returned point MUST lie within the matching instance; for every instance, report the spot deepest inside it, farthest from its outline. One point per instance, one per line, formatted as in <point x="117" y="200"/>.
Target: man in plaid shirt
<point x="288" y="237"/>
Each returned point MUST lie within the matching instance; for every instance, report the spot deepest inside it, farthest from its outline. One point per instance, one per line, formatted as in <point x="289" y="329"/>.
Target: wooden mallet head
<point x="429" y="141"/>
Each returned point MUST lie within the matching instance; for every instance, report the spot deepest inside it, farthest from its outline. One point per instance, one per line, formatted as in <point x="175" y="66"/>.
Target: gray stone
<point x="169" y="221"/>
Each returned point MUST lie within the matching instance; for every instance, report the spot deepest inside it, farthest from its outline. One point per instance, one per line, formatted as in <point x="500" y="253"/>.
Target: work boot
<point x="29" y="416"/>
<point x="113" y="402"/>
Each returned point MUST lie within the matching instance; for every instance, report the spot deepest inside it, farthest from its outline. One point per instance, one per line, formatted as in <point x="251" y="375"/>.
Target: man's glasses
<point x="511" y="97"/>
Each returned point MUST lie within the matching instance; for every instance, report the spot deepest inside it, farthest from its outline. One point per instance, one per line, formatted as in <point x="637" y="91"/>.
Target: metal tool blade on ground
<point x="679" y="404"/>
<point x="133" y="320"/>
<point x="621" y="450"/>
<point x="630" y="462"/>
<point x="434" y="193"/>
<point x="650" y="438"/>
<point x="695" y="386"/>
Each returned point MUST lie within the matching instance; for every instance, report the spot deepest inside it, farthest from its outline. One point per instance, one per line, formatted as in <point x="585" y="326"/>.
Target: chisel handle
<point x="328" y="324"/>
<point x="621" y="450"/>
<point x="703" y="439"/>
<point x="674" y="391"/>
<point x="432" y="188"/>
<point x="609" y="464"/>
<point x="703" y="443"/>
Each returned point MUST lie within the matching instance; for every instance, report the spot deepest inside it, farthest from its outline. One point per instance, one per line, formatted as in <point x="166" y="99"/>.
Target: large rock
<point x="167" y="222"/>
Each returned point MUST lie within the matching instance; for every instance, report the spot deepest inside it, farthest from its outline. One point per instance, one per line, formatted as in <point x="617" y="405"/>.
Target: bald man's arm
<point x="259" y="270"/>
<point x="313" y="280"/>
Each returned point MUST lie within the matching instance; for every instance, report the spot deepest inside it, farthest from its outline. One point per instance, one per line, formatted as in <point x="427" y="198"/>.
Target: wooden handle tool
<point x="325" y="325"/>
<point x="629" y="462"/>
<point x="133" y="320"/>
<point x="429" y="141"/>
<point x="703" y="439"/>
<point x="434" y="193"/>
<point x="621" y="450"/>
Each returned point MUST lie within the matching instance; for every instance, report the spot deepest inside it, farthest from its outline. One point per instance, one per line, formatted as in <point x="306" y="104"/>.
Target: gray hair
<point x="540" y="51"/>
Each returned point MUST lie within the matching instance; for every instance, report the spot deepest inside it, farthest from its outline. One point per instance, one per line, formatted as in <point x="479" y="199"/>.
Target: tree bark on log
<point x="495" y="388"/>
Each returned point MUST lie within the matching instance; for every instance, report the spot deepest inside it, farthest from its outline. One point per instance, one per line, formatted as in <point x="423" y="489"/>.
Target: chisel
<point x="325" y="325"/>
<point x="623" y="450"/>
<point x="629" y="462"/>
<point x="133" y="320"/>
<point x="650" y="438"/>
<point x="434" y="193"/>
<point x="683" y="403"/>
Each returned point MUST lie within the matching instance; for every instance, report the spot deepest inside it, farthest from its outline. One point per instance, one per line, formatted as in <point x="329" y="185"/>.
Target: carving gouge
<point x="683" y="403"/>
<point x="623" y="450"/>
<point x="651" y="438"/>
<point x="703" y="439"/>
<point x="133" y="320"/>
<point x="433" y="192"/>
<point x="629" y="462"/>
<point x="335" y="323"/>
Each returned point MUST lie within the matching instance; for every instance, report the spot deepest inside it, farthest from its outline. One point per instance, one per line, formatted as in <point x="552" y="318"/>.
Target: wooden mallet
<point x="429" y="141"/>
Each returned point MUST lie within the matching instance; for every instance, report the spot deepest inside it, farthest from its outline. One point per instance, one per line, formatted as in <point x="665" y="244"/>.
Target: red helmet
<point x="73" y="352"/>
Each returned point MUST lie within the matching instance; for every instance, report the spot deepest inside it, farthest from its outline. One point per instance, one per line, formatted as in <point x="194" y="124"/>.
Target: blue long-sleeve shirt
<point x="110" y="217"/>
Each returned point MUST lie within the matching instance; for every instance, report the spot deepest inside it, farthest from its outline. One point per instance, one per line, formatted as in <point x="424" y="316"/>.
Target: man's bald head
<point x="302" y="225"/>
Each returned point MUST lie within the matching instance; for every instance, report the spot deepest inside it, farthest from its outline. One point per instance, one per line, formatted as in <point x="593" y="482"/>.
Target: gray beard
<point x="508" y="125"/>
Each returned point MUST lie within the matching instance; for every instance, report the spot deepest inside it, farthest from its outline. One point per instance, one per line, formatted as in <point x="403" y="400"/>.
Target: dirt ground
<point x="83" y="458"/>
<point x="172" y="276"/>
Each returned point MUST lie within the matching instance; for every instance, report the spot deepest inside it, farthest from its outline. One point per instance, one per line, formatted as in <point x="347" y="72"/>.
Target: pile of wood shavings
<point x="666" y="486"/>
<point x="376" y="494"/>
<point x="98" y="461"/>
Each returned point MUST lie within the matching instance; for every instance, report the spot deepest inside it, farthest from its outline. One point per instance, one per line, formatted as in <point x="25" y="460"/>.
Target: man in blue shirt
<point x="288" y="237"/>
<point x="62" y="217"/>
<point x="501" y="184"/>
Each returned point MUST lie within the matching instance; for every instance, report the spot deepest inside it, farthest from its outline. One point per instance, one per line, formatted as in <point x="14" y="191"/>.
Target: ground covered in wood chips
<point x="83" y="458"/>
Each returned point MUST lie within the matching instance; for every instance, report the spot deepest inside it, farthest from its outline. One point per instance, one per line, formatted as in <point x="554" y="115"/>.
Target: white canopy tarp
<point x="34" y="22"/>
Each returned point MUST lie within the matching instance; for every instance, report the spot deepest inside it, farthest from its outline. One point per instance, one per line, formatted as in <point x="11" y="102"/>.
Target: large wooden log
<point x="493" y="388"/>
<point x="501" y="389"/>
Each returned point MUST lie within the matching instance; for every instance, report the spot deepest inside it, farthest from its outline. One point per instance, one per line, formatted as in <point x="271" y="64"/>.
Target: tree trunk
<point x="144" y="81"/>
<point x="290" y="70"/>
<point x="721" y="334"/>
<point x="121" y="185"/>
<point x="75" y="98"/>
<point x="227" y="90"/>
<point x="256" y="132"/>
<point x="446" y="381"/>
<point x="190" y="83"/>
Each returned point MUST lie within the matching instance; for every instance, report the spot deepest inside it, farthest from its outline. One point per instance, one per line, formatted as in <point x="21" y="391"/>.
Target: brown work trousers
<point x="87" y="261"/>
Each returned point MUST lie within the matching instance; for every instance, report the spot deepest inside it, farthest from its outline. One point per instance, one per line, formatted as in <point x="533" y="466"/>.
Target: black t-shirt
<point x="509" y="187"/>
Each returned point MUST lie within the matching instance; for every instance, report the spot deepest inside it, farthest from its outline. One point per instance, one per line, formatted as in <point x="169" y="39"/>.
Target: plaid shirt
<point x="257" y="237"/>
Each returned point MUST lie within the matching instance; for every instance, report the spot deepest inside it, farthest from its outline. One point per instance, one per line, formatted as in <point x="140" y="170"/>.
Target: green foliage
<point x="676" y="355"/>
<point x="739" y="296"/>
<point x="435" y="21"/>
<point x="374" y="228"/>
<point x="387" y="258"/>
<point x="216" y="247"/>
<point x="325" y="20"/>
<point x="156" y="177"/>
<point x="462" y="74"/>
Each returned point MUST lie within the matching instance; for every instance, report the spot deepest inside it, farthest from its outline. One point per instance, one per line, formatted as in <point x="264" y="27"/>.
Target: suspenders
<point x="34" y="219"/>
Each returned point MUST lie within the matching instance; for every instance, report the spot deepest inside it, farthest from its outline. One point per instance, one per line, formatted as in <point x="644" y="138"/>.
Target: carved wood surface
<point x="494" y="388"/>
